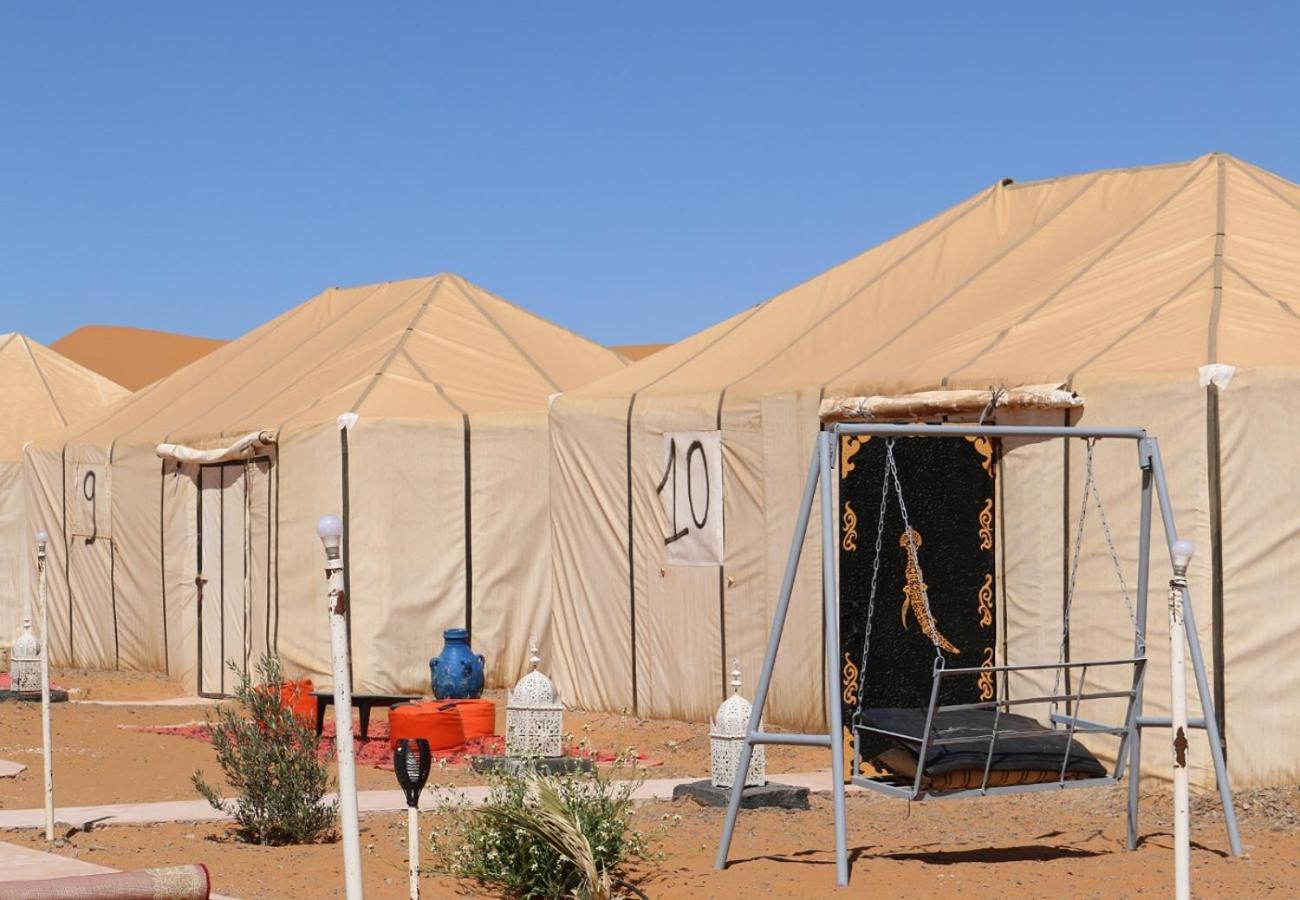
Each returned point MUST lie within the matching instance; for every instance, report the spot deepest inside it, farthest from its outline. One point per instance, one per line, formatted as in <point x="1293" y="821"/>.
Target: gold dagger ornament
<point x="914" y="593"/>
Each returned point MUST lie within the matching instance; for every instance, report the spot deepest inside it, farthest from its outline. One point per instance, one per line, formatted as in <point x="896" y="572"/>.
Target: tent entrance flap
<point x="231" y="563"/>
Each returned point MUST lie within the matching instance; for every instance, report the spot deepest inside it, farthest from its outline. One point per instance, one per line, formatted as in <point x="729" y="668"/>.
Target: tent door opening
<point x="232" y="570"/>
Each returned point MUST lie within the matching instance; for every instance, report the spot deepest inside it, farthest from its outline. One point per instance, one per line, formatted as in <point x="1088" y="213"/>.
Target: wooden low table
<point x="363" y="702"/>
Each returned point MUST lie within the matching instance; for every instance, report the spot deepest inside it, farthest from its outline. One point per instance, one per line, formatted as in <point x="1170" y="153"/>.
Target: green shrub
<point x="542" y="836"/>
<point x="269" y="756"/>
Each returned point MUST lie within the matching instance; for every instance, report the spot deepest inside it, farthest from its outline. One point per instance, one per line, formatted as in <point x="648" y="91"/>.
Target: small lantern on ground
<point x="534" y="719"/>
<point x="727" y="739"/>
<point x="25" y="662"/>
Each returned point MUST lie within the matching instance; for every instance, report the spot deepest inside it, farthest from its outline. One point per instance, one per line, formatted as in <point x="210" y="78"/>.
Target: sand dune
<point x="637" y="352"/>
<point x="133" y="357"/>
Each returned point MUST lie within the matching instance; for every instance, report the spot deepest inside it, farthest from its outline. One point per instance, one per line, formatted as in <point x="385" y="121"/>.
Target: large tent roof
<point x="133" y="357"/>
<point x="42" y="392"/>
<point x="413" y="349"/>
<point x="1121" y="273"/>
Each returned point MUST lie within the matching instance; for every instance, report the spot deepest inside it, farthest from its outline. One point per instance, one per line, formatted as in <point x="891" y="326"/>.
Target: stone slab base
<point x="772" y="794"/>
<point x="553" y="765"/>
<point x="57" y="695"/>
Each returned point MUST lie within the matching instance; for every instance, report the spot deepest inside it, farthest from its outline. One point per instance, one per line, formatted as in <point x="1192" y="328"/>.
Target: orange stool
<point x="297" y="696"/>
<point x="437" y="722"/>
<point x="479" y="717"/>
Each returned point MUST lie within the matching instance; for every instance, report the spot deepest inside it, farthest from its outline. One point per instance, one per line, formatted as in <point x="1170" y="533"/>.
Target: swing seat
<point x="1024" y="752"/>
<point x="983" y="748"/>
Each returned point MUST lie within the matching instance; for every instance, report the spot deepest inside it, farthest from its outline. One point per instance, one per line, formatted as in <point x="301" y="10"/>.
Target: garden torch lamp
<point x="330" y="530"/>
<point x="42" y="540"/>
<point x="411" y="761"/>
<point x="1182" y="552"/>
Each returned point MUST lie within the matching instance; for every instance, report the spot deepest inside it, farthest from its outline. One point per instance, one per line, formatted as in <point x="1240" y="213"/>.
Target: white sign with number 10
<point x="690" y="490"/>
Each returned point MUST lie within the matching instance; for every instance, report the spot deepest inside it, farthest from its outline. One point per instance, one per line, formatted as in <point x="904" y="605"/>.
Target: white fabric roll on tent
<point x="415" y="409"/>
<point x="1119" y="286"/>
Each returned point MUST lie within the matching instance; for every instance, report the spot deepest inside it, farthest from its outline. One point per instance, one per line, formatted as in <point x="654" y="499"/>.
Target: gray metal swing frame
<point x="821" y="469"/>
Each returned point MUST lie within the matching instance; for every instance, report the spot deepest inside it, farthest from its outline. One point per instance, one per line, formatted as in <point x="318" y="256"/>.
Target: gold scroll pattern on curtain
<point x="984" y="447"/>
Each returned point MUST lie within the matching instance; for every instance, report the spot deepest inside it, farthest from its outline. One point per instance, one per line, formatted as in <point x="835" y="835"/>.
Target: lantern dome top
<point x="28" y="645"/>
<point x="534" y="689"/>
<point x="733" y="715"/>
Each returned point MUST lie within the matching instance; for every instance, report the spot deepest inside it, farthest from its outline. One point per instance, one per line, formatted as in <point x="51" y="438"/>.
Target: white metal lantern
<point x="534" y="719"/>
<point x="25" y="662"/>
<point x="727" y="739"/>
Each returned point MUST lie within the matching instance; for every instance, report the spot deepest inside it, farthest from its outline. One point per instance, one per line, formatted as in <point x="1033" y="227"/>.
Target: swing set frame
<point x="821" y="469"/>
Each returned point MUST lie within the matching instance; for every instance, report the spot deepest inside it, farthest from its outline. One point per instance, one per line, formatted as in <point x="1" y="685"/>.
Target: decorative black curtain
<point x="947" y="484"/>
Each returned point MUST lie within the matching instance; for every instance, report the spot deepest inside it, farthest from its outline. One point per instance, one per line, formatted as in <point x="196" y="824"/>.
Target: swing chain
<point x="1074" y="572"/>
<point x="1119" y="570"/>
<point x="913" y="557"/>
<point x="1093" y="493"/>
<point x="871" y="598"/>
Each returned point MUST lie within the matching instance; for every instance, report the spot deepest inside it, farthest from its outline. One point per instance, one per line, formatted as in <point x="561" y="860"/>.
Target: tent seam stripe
<point x="974" y="204"/>
<point x="397" y="348"/>
<point x="1070" y="282"/>
<point x="482" y="310"/>
<point x="969" y="280"/>
<point x="44" y="381"/>
<point x="698" y="353"/>
<point x="722" y="566"/>
<point x="140" y="395"/>
<point x="631" y="552"/>
<point x="1216" y="292"/>
<point x="532" y="315"/>
<point x="437" y="386"/>
<point x="1286" y="307"/>
<point x="1149" y="317"/>
<point x="162" y="566"/>
<point x="325" y="396"/>
<point x="1268" y="187"/>
<point x="253" y="379"/>
<point x="112" y="557"/>
<point x="469" y="534"/>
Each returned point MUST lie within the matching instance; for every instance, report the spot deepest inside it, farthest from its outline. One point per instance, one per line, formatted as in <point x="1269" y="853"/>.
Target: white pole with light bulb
<point x="42" y="540"/>
<point x="1182" y="553"/>
<point x="330" y="530"/>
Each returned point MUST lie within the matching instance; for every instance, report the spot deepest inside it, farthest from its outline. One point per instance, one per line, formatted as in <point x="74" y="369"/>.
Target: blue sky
<point x="633" y="171"/>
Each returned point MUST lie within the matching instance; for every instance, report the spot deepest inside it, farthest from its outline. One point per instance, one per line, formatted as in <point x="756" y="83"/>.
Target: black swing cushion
<point x="1026" y="752"/>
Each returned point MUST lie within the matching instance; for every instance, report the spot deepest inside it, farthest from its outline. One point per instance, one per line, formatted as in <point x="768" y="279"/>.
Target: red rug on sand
<point x="375" y="751"/>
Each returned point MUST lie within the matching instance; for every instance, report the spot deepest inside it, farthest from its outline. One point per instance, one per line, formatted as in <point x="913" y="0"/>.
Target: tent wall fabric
<point x="42" y="393"/>
<point x="1118" y="285"/>
<point x="415" y="409"/>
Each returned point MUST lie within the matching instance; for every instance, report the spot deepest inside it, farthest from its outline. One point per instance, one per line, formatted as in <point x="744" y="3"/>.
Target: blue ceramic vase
<point x="457" y="672"/>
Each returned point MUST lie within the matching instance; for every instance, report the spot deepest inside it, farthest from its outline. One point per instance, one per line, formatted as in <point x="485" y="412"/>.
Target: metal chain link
<point x="1074" y="572"/>
<point x="1114" y="559"/>
<point x="1092" y="492"/>
<point x="915" y="560"/>
<point x="875" y="578"/>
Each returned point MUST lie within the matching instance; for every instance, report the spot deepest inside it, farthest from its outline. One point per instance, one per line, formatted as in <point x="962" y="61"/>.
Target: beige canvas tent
<point x="417" y="409"/>
<point x="1167" y="297"/>
<point x="42" y="393"/>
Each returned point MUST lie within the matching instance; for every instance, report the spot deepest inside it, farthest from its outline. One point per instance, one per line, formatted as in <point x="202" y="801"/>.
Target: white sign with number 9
<point x="690" y="490"/>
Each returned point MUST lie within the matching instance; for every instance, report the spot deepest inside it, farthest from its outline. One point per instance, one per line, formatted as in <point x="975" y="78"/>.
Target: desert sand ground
<point x="1068" y="844"/>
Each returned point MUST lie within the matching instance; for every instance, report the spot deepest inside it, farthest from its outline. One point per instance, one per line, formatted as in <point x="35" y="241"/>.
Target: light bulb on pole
<point x="329" y="529"/>
<point x="1182" y="551"/>
<point x="42" y="541"/>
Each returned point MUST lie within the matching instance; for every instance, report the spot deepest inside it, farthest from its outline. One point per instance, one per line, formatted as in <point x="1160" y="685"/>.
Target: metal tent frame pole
<point x="821" y="469"/>
<point x="1207" y="721"/>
